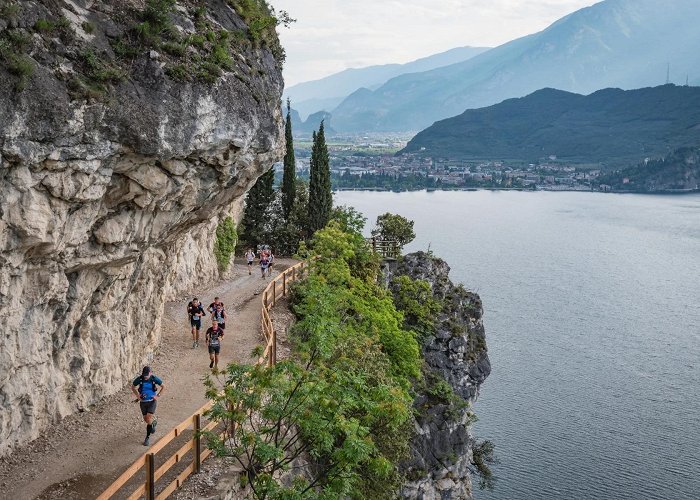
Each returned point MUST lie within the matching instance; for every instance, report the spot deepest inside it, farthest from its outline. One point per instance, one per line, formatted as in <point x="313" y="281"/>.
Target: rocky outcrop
<point x="456" y="364"/>
<point x="109" y="200"/>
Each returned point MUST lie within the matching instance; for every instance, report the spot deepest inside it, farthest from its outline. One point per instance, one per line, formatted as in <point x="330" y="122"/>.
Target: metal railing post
<point x="150" y="476"/>
<point x="197" y="443"/>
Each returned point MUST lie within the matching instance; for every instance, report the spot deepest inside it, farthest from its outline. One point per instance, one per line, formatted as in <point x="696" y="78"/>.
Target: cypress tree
<point x="289" y="176"/>
<point x="259" y="198"/>
<point x="320" y="195"/>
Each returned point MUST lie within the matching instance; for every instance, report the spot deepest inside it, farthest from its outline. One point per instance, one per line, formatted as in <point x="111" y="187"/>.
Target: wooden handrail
<point x="387" y="249"/>
<point x="270" y="295"/>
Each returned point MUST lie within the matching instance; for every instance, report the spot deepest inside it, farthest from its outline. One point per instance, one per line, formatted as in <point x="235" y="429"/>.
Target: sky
<point x="333" y="35"/>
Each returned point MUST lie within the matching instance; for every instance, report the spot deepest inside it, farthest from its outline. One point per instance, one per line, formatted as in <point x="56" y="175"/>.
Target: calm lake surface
<point x="592" y="316"/>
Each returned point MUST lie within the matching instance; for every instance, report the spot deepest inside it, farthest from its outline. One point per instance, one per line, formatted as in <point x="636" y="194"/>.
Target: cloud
<point x="332" y="35"/>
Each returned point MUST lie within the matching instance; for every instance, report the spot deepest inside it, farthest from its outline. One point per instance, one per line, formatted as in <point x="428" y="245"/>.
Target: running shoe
<point x="146" y="441"/>
<point x="153" y="425"/>
<point x="194" y="344"/>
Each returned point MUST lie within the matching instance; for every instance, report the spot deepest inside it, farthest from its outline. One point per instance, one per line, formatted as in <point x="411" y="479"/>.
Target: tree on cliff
<point x="320" y="196"/>
<point x="257" y="207"/>
<point x="290" y="174"/>
<point x="392" y="227"/>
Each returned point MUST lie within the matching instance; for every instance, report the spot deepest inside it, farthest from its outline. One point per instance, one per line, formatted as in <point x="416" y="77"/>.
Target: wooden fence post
<point x="284" y="284"/>
<point x="265" y="299"/>
<point x="274" y="292"/>
<point x="273" y="352"/>
<point x="197" y="443"/>
<point x="150" y="476"/>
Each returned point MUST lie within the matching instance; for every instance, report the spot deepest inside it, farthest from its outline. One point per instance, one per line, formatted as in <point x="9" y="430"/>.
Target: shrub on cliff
<point x="225" y="243"/>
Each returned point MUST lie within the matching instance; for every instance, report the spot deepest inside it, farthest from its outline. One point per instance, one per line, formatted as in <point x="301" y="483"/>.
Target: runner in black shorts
<point x="196" y="312"/>
<point x="145" y="387"/>
<point x="214" y="336"/>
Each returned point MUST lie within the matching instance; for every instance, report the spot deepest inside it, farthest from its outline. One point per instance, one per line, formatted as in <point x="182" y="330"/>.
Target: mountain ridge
<point x="610" y="126"/>
<point x="327" y="92"/>
<point x="614" y="43"/>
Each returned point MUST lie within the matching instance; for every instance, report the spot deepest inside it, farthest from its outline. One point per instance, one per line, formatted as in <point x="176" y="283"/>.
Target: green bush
<point x="225" y="243"/>
<point x="44" y="26"/>
<point x="88" y="27"/>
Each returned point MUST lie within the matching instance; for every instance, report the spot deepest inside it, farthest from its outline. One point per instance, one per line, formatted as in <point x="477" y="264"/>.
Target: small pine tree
<point x="259" y="198"/>
<point x="289" y="176"/>
<point x="320" y="195"/>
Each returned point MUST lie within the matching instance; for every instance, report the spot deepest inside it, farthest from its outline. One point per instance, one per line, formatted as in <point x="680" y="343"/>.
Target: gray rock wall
<point x="108" y="207"/>
<point x="455" y="353"/>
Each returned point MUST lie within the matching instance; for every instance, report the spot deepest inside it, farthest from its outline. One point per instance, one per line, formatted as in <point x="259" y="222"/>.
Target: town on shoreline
<point x="371" y="163"/>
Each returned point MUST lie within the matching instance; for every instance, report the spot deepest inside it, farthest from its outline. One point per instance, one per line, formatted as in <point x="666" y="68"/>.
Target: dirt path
<point x="82" y="455"/>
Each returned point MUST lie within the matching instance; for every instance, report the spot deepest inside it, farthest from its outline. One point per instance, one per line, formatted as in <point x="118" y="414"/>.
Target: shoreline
<point x="678" y="192"/>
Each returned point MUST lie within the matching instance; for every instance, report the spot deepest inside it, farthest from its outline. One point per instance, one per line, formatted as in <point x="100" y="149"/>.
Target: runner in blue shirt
<point x="145" y="387"/>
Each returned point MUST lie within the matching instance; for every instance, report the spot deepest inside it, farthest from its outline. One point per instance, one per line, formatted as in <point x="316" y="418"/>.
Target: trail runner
<point x="250" y="257"/>
<point x="196" y="312"/>
<point x="145" y="388"/>
<point x="213" y="336"/>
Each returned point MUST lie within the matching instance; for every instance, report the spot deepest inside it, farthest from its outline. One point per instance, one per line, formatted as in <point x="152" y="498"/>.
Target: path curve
<point x="79" y="457"/>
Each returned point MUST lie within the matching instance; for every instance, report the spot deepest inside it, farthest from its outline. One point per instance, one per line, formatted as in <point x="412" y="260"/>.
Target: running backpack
<point x="151" y="380"/>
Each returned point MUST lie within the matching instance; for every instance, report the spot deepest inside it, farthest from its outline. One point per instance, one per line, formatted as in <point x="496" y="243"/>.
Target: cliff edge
<point x="456" y="364"/>
<point x="127" y="131"/>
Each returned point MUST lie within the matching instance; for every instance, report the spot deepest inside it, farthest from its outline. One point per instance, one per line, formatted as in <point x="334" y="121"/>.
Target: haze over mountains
<point x="615" y="43"/>
<point x="326" y="93"/>
<point x="614" y="127"/>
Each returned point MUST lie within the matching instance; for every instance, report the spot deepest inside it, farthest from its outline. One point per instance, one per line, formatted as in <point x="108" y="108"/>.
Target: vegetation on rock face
<point x="191" y="44"/>
<point x="342" y="402"/>
<point x="415" y="299"/>
<point x="225" y="243"/>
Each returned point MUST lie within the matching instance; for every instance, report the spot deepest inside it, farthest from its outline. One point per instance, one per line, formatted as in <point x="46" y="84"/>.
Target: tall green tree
<point x="290" y="174"/>
<point x="257" y="204"/>
<point x="320" y="195"/>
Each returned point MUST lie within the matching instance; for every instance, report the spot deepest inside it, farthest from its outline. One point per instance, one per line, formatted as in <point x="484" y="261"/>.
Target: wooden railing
<point x="275" y="290"/>
<point x="387" y="249"/>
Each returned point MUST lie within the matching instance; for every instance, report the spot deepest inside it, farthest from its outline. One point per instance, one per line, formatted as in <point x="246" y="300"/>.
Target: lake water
<point x="592" y="315"/>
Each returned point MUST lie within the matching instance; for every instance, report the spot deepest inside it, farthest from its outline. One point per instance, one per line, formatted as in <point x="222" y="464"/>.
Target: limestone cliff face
<point x="109" y="201"/>
<point x="456" y="353"/>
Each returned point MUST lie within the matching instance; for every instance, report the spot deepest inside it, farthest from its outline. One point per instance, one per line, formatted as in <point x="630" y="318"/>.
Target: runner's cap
<point x="146" y="371"/>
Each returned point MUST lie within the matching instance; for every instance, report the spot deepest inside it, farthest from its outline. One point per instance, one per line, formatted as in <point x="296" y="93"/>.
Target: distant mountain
<point x="312" y="123"/>
<point x="678" y="172"/>
<point x="615" y="127"/>
<point x="328" y="92"/>
<point x="615" y="43"/>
